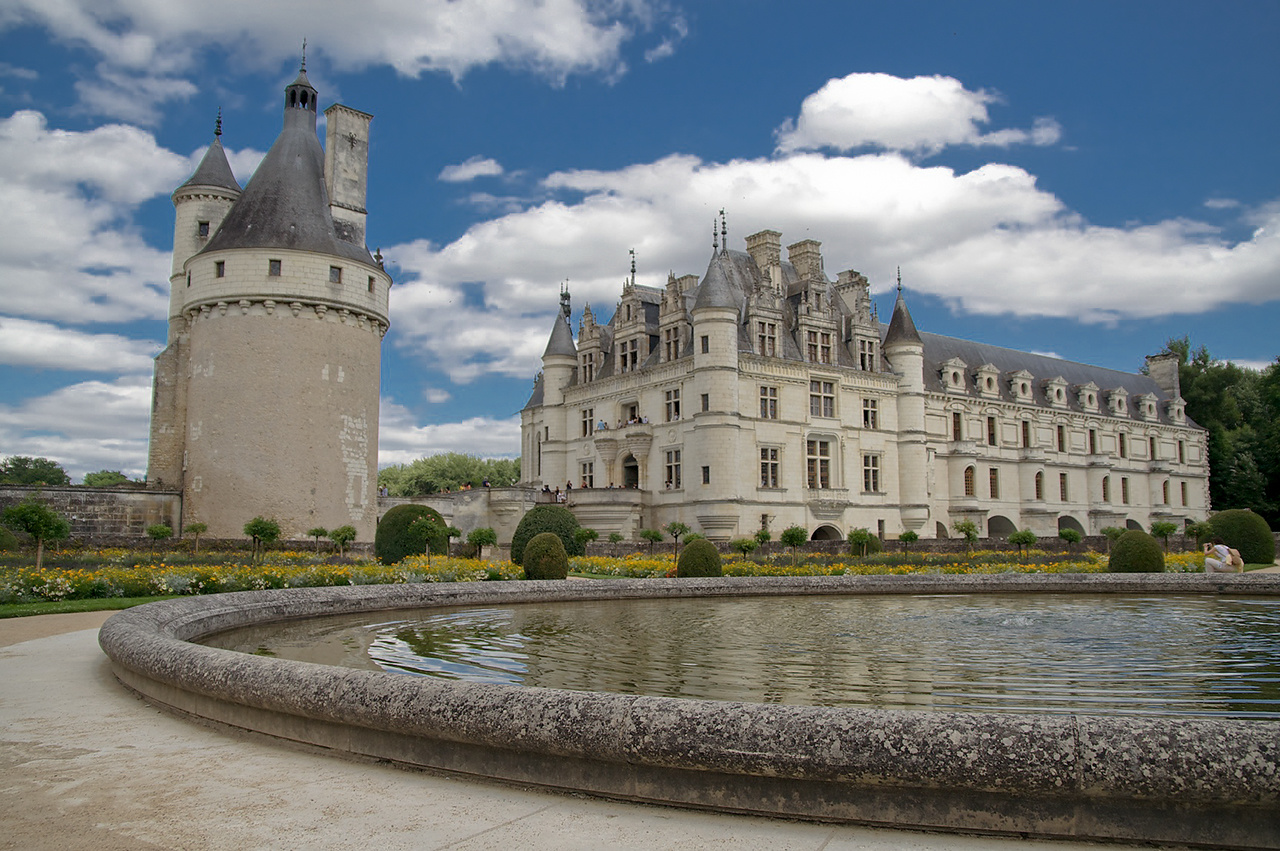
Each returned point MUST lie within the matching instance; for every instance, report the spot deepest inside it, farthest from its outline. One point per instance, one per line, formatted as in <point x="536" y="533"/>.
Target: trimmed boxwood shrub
<point x="1247" y="532"/>
<point x="699" y="558"/>
<point x="392" y="541"/>
<point x="8" y="540"/>
<point x="545" y="558"/>
<point x="1136" y="552"/>
<point x="546" y="518"/>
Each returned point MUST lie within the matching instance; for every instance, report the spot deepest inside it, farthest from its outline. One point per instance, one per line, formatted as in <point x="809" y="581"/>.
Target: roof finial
<point x="715" y="236"/>
<point x="633" y="267"/>
<point x="564" y="299"/>
<point x="899" y="280"/>
<point x="304" y="55"/>
<point x="217" y="127"/>
<point x="724" y="231"/>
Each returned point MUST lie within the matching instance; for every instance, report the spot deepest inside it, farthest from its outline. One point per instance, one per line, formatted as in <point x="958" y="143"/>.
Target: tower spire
<point x="217" y="127"/>
<point x="899" y="280"/>
<point x="715" y="236"/>
<point x="724" y="231"/>
<point x="633" y="267"/>
<point x="303" y="68"/>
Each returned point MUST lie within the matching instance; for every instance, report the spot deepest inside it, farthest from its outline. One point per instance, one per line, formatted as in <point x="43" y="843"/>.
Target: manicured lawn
<point x="61" y="607"/>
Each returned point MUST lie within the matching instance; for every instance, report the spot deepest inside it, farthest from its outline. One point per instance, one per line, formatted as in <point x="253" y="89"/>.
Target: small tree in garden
<point x="342" y="536"/>
<point x="1201" y="531"/>
<point x="585" y="536"/>
<point x="1023" y="538"/>
<point x="675" y="530"/>
<point x="615" y="537"/>
<point x="653" y="536"/>
<point x="422" y="532"/>
<point x="908" y="538"/>
<point x="39" y="521"/>
<point x="263" y="532"/>
<point x="451" y="532"/>
<point x="1071" y="536"/>
<point x="794" y="536"/>
<point x="197" y="529"/>
<point x="159" y="531"/>
<point x="1162" y="529"/>
<point x="318" y="533"/>
<point x="481" y="538"/>
<point x="1112" y="534"/>
<point x="859" y="540"/>
<point x="746" y="546"/>
<point x="968" y="530"/>
<point x="763" y="536"/>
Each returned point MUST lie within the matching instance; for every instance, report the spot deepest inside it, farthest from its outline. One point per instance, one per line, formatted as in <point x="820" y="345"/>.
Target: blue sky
<point x="1084" y="179"/>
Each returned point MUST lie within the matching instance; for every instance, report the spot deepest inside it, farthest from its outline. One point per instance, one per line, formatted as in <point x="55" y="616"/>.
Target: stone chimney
<point x="807" y="258"/>
<point x="765" y="249"/>
<point x="346" y="170"/>
<point x="1163" y="369"/>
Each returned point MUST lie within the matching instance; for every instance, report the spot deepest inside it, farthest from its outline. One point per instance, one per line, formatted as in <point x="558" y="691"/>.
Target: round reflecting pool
<point x="1102" y="654"/>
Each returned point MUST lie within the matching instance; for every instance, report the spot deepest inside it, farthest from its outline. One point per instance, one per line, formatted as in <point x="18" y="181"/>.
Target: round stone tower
<point x="277" y="318"/>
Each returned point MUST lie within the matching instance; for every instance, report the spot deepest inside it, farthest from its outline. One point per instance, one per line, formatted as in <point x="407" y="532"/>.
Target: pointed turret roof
<point x="214" y="170"/>
<point x="716" y="289"/>
<point x="561" y="342"/>
<point x="286" y="204"/>
<point x="902" y="330"/>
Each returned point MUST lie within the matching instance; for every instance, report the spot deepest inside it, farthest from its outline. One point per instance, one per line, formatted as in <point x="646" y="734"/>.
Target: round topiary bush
<point x="8" y="540"/>
<point x="393" y="541"/>
<point x="699" y="558"/>
<point x="546" y="518"/>
<point x="1136" y="552"/>
<point x="1247" y="532"/>
<point x="545" y="558"/>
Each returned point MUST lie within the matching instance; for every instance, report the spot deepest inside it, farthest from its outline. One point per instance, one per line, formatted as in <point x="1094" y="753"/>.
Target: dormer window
<point x="1020" y="384"/>
<point x="987" y="381"/>
<point x="1147" y="406"/>
<point x="953" y="371"/>
<point x="1118" y="402"/>
<point x="1055" y="390"/>
<point x="1087" y="396"/>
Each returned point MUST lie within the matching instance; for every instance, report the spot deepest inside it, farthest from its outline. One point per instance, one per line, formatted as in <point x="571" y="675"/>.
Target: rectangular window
<point x="220" y="269"/>
<point x="1124" y="489"/>
<point x="673" y="405"/>
<point x="956" y="432"/>
<point x="767" y="338"/>
<point x="867" y="355"/>
<point x="1093" y="441"/>
<point x="1062" y="438"/>
<point x="588" y="421"/>
<point x="993" y="482"/>
<point x="1183" y="486"/>
<point x="1124" y="447"/>
<point x="768" y="467"/>
<point x="371" y="283"/>
<point x="629" y="356"/>
<point x="706" y="344"/>
<point x="273" y="268"/>
<point x="706" y="475"/>
<point x="335" y="274"/>
<point x="818" y="454"/>
<point x="706" y="401"/>
<point x="824" y="347"/>
<point x="870" y="413"/>
<point x="588" y="366"/>
<point x="1151" y="448"/>
<point x="1062" y="486"/>
<point x="768" y="403"/>
<point x="991" y="431"/>
<point x="822" y="398"/>
<point x="1026" y="434"/>
<point x="202" y="229"/>
<point x="871" y="473"/>
<point x="671" y="344"/>
<point x="811" y="346"/>
<point x="1182" y="454"/>
<point x="673" y="469"/>
<point x="588" y="474"/>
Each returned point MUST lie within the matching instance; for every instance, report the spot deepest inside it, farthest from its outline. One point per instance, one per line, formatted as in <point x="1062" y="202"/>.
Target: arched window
<point x="970" y="488"/>
<point x="1165" y="489"/>
<point x="1106" y="488"/>
<point x="1039" y="485"/>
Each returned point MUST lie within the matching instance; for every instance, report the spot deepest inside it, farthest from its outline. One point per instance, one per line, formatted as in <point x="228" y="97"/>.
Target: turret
<point x="560" y="358"/>
<point x="904" y="350"/>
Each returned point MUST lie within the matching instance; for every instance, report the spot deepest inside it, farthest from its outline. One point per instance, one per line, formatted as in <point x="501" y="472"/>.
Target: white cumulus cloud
<point x="401" y="440"/>
<point x="917" y="114"/>
<point x="474" y="167"/>
<point x="43" y="345"/>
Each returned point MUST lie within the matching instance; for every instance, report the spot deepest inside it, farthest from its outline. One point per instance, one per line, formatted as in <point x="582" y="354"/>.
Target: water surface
<point x="1096" y="654"/>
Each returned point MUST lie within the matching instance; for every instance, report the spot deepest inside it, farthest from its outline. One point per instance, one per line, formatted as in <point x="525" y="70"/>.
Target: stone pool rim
<point x="1213" y="782"/>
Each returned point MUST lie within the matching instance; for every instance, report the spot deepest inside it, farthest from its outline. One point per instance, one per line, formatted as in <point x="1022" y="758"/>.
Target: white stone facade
<point x="766" y="394"/>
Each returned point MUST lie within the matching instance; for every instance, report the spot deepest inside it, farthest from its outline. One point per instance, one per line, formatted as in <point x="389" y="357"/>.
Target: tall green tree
<point x="39" y="521"/>
<point x="25" y="470"/>
<point x="448" y="471"/>
<point x="105" y="479"/>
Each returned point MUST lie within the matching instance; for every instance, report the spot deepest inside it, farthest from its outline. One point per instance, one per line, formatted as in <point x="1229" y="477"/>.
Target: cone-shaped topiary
<point x="1136" y="552"/>
<point x="699" y="558"/>
<point x="1247" y="532"/>
<point x="545" y="558"/>
<point x="546" y="518"/>
<point x="393" y="541"/>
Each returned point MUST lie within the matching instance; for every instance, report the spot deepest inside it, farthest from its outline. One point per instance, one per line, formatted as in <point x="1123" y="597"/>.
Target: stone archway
<point x="826" y="532"/>
<point x="1133" y="524"/>
<point x="940" y="531"/>
<point x="1000" y="526"/>
<point x="630" y="472"/>
<point x="1066" y="521"/>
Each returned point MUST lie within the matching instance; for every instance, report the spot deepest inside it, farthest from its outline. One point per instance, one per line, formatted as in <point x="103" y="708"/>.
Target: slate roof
<point x="285" y="204"/>
<point x="561" y="340"/>
<point x="938" y="349"/>
<point x="902" y="329"/>
<point x="214" y="170"/>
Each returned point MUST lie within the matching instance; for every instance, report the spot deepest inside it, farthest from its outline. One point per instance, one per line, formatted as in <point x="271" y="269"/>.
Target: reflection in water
<point x="1099" y="654"/>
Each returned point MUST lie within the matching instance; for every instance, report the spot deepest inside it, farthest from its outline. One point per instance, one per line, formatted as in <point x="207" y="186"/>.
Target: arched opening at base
<point x="1000" y="527"/>
<point x="630" y="472"/>
<point x="1066" y="521"/>
<point x="826" y="533"/>
<point x="940" y="530"/>
<point x="1133" y="524"/>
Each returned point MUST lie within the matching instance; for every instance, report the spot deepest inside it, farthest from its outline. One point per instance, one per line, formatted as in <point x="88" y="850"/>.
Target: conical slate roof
<point x="716" y="290"/>
<point x="214" y="170"/>
<point x="902" y="330"/>
<point x="286" y="204"/>
<point x="561" y="342"/>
